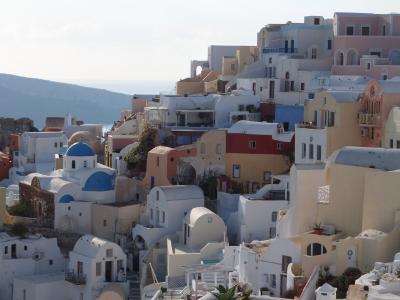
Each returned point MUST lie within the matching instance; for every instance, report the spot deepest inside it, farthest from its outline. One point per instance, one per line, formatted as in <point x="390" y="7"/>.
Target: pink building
<point x="378" y="99"/>
<point x="366" y="44"/>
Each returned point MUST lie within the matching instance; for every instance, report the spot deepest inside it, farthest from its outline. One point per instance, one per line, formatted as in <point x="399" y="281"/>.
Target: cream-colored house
<point x="330" y="123"/>
<point x="358" y="209"/>
<point x="200" y="242"/>
<point x="210" y="154"/>
<point x="391" y="135"/>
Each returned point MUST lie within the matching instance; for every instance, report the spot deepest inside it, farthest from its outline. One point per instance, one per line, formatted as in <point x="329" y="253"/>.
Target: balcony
<point x="75" y="278"/>
<point x="280" y="50"/>
<point x="367" y="119"/>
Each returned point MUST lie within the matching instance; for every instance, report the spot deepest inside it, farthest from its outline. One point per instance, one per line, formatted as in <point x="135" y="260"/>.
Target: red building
<point x="255" y="151"/>
<point x="5" y="165"/>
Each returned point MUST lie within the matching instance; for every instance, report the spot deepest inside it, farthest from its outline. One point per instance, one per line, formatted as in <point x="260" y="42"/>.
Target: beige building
<point x="245" y="55"/>
<point x="197" y="85"/>
<point x="209" y="155"/>
<point x="358" y="211"/>
<point x="330" y="123"/>
<point x="114" y="221"/>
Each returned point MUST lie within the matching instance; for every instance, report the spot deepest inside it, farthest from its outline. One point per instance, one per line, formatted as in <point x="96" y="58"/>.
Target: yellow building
<point x="197" y="85"/>
<point x="358" y="210"/>
<point x="330" y="123"/>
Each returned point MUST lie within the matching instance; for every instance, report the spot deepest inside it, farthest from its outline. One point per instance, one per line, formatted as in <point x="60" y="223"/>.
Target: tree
<point x="137" y="157"/>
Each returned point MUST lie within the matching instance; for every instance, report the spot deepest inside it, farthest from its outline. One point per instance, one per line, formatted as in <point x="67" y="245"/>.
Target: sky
<point x="89" y="40"/>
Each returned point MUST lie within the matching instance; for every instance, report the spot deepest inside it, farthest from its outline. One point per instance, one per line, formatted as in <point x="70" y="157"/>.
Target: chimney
<point x="2" y="206"/>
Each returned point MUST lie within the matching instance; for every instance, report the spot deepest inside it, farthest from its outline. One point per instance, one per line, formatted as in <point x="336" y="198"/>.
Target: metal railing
<point x="75" y="278"/>
<point x="280" y="50"/>
<point x="366" y="119"/>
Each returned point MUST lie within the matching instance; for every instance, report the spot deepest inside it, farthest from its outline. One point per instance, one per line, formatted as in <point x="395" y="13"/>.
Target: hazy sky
<point x="140" y="39"/>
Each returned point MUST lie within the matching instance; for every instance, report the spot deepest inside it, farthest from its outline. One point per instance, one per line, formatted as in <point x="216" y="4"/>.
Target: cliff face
<point x="10" y="125"/>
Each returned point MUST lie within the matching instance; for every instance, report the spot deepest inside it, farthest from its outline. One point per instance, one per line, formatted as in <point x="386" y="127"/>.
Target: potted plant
<point x="317" y="229"/>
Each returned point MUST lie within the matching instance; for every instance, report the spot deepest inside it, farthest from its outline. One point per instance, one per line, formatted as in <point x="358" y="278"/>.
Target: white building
<point x="380" y="284"/>
<point x="258" y="213"/>
<point x="204" y="112"/>
<point x="166" y="206"/>
<point x="264" y="265"/>
<point x="33" y="255"/>
<point x="96" y="271"/>
<point x="36" y="153"/>
<point x="294" y="54"/>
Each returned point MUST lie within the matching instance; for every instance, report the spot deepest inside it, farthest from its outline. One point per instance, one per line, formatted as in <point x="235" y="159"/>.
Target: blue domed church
<point x="64" y="197"/>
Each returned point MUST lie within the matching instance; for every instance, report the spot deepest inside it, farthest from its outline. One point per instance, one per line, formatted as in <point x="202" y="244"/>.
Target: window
<point x="98" y="269"/>
<point x="232" y="67"/>
<point x="302" y="86"/>
<point x="286" y="261"/>
<point x="319" y="152"/>
<point x="273" y="280"/>
<point x="292" y="85"/>
<point x="349" y="30"/>
<point x="158" y="161"/>
<point x="73" y="164"/>
<point x="236" y="171"/>
<point x="267" y="176"/>
<point x="151" y="214"/>
<point x="109" y="253"/>
<point x="315" y="249"/>
<point x="365" y="30"/>
<point x="329" y="45"/>
<point x="391" y="143"/>
<point x="384" y="30"/>
<point x="6" y="250"/>
<point x="316" y="21"/>
<point x="25" y="248"/>
<point x="331" y="119"/>
<point x="61" y="144"/>
<point x="163" y="216"/>
<point x="24" y="294"/>
<point x="369" y="66"/>
<point x="270" y="60"/>
<point x="69" y="207"/>
<point x="85" y="164"/>
<point x="313" y="53"/>
<point x="398" y="144"/>
<point x="376" y="53"/>
<point x="105" y="223"/>
<point x="218" y="149"/>
<point x="279" y="146"/>
<point x="203" y="148"/>
<point x="274" y="216"/>
<point x="252" y="145"/>
<point x="303" y="150"/>
<point x="272" y="232"/>
<point x="50" y="262"/>
<point x="210" y="220"/>
<point x="188" y="231"/>
<point x="158" y="195"/>
<point x="55" y="145"/>
<point x="310" y="151"/>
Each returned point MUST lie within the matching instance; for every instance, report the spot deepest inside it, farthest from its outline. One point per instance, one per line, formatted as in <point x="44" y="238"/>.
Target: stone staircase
<point x="134" y="286"/>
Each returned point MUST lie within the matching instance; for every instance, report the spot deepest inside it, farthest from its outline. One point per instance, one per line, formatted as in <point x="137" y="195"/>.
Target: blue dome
<point x="80" y="149"/>
<point x="99" y="182"/>
<point x="66" y="199"/>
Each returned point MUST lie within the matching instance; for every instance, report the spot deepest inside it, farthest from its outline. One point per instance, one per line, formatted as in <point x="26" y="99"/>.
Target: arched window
<point x="73" y="164"/>
<point x="287" y="75"/>
<point x="315" y="249"/>
<point x="339" y="58"/>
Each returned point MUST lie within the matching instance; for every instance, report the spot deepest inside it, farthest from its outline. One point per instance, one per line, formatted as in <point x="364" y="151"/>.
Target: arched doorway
<point x="339" y="58"/>
<point x="352" y="57"/>
<point x="187" y="174"/>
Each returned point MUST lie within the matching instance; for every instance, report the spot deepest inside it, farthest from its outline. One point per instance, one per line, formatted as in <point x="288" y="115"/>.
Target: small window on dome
<point x="85" y="164"/>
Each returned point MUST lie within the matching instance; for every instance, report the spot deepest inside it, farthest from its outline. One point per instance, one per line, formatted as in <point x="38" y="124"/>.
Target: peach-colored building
<point x="366" y="44"/>
<point x="378" y="99"/>
<point x="197" y="84"/>
<point x="161" y="168"/>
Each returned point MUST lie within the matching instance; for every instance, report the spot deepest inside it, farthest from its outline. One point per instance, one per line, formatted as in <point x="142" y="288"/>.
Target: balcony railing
<point x="367" y="119"/>
<point x="280" y="50"/>
<point x="75" y="278"/>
